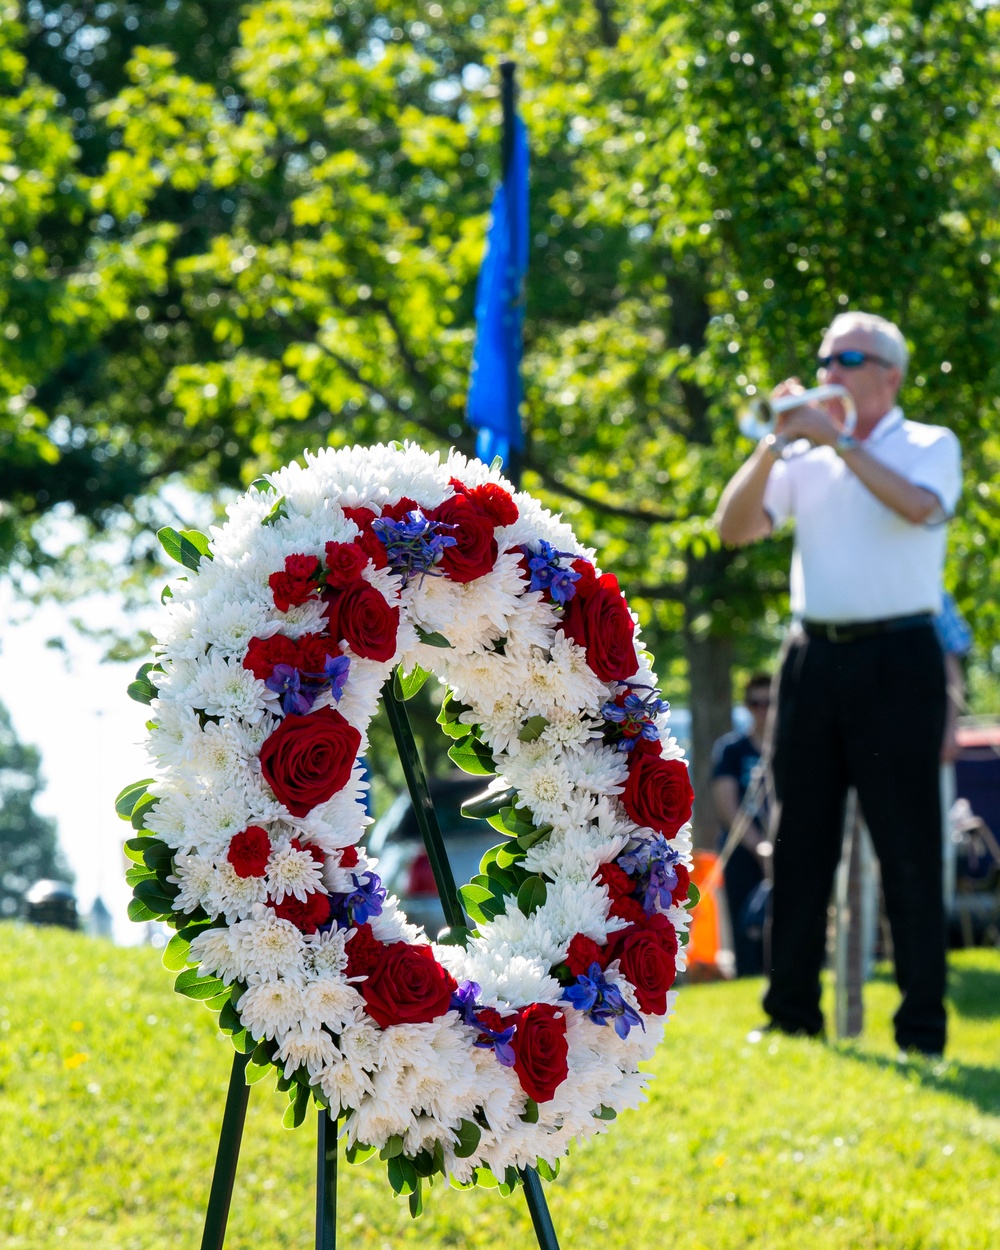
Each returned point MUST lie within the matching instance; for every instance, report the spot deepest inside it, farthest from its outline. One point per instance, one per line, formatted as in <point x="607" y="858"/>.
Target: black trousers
<point x="868" y="714"/>
<point x="742" y="876"/>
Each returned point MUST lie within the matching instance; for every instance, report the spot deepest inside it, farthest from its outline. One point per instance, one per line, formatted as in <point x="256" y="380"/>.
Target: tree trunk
<point x="709" y="661"/>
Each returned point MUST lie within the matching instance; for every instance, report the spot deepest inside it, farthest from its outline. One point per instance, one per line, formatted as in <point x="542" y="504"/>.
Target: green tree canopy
<point x="243" y="231"/>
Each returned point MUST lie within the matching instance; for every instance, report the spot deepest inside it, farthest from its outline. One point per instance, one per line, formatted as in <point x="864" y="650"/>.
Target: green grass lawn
<point x="112" y="1087"/>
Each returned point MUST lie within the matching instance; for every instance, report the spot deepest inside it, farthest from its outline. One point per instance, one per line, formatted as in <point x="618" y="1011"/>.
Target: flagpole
<point x="507" y="97"/>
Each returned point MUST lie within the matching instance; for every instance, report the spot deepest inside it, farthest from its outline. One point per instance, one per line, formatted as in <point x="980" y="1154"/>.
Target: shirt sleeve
<point x="727" y="763"/>
<point x="778" y="493"/>
<point x="939" y="470"/>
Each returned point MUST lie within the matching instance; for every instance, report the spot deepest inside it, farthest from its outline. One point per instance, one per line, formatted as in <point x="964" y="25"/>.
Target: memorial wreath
<point x="492" y="1049"/>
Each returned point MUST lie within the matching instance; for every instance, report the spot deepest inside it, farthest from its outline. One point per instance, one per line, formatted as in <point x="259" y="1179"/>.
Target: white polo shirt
<point x="855" y="559"/>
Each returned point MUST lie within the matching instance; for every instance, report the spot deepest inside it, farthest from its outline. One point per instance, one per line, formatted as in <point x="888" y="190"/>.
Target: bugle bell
<point x="759" y="416"/>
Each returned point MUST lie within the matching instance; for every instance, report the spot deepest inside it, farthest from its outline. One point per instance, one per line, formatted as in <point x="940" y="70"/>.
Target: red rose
<point x="263" y="653"/>
<point x="362" y="617"/>
<point x="475" y="551"/>
<point x="396" y="511"/>
<point x="344" y="562"/>
<point x="249" y="852"/>
<point x="588" y="575"/>
<point x="540" y="1050"/>
<point x="364" y="950"/>
<point x="407" y="986"/>
<point x="583" y="951"/>
<point x="629" y="909"/>
<point x="647" y="955"/>
<point x="307" y="916"/>
<point x="349" y="857"/>
<point x="647" y="746"/>
<point x="491" y="1019"/>
<point x="615" y="879"/>
<point x="307" y="759"/>
<point x="682" y="889"/>
<point x="658" y="793"/>
<point x="597" y="618"/>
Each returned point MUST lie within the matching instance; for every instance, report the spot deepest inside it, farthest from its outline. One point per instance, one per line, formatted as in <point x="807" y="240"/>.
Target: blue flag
<point x="494" y="403"/>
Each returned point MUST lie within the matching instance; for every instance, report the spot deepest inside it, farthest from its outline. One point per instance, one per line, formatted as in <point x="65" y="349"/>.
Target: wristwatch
<point x="775" y="444"/>
<point x="845" y="442"/>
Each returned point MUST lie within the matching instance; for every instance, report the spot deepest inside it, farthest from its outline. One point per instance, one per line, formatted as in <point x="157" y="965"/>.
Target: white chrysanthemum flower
<point x="293" y="873"/>
<point x="312" y="1047"/>
<point x="195" y="874"/>
<point x="589" y="691"/>
<point x="567" y="728"/>
<point x="598" y="768"/>
<point x="332" y="1003"/>
<point x="231" y="895"/>
<point x="384" y="1115"/>
<point x="227" y="625"/>
<point x="271" y="1009"/>
<point x="214" y="952"/>
<point x="224" y="688"/>
<point x="344" y="1085"/>
<point x="359" y="1044"/>
<point x="271" y="947"/>
<point x="325" y="954"/>
<point x="543" y="787"/>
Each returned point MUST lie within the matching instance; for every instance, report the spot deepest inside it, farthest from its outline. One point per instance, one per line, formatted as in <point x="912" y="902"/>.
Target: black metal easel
<point x="234" y="1116"/>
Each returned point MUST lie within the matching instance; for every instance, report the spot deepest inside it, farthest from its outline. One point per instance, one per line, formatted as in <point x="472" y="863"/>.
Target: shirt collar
<point x="885" y="425"/>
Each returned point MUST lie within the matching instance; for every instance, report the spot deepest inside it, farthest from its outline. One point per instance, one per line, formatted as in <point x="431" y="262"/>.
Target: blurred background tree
<point x="28" y="846"/>
<point x="228" y="232"/>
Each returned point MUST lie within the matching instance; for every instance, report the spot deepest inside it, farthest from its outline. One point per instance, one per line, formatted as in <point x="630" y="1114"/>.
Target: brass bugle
<point x="758" y="418"/>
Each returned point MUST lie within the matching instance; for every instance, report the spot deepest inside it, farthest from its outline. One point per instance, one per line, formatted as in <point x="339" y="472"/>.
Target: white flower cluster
<point x="508" y="666"/>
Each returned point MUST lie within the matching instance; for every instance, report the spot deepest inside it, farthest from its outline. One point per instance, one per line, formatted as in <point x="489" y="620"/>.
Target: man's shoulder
<point x="922" y="435"/>
<point x="730" y="746"/>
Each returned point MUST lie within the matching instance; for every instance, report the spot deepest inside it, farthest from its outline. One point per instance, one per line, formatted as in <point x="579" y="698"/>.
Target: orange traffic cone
<point x="708" y="954"/>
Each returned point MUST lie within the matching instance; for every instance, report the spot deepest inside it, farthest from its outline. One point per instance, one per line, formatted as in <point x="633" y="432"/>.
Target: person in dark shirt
<point x="735" y="757"/>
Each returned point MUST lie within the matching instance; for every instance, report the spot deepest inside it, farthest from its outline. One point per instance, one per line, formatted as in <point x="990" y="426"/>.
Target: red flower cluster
<point x="404" y="984"/>
<point x="308" y="654"/>
<point x="308" y="915"/>
<point x="620" y="887"/>
<point x="297" y="583"/>
<point x="307" y="759"/>
<point x="539" y="1044"/>
<point x="647" y="955"/>
<point x="658" y="793"/>
<point x="249" y="852"/>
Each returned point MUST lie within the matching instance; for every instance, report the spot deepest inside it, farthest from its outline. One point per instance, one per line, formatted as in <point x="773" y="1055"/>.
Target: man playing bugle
<point x="861" y="687"/>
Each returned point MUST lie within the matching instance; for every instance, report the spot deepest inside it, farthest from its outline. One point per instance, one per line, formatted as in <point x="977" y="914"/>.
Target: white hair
<point x="887" y="335"/>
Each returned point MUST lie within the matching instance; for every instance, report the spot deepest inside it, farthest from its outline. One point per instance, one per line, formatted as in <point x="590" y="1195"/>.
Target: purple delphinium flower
<point x="363" y="902"/>
<point x="463" y="1000"/>
<point x="602" y="1002"/>
<point x="633" y="716"/>
<point x="414" y="544"/>
<point x="548" y="574"/>
<point x="287" y="682"/>
<point x="335" y="672"/>
<point x="654" y="863"/>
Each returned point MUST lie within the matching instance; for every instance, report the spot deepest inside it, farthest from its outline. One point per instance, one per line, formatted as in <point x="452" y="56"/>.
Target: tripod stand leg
<point x="541" y="1220"/>
<point x="217" y="1215"/>
<point x="326" y="1182"/>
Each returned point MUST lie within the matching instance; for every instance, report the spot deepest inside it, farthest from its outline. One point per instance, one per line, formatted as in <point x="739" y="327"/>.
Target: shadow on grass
<point x="970" y="1082"/>
<point x="973" y="992"/>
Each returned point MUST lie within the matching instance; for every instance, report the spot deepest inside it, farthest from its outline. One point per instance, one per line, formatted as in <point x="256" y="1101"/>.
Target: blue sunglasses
<point x="852" y="360"/>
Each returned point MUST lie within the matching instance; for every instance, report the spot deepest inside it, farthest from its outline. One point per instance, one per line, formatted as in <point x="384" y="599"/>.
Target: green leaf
<point x="530" y="1113"/>
<point x="694" y="896"/>
<point x="416" y="1200"/>
<point x="191" y="985"/>
<point x="138" y="873"/>
<point x="151" y="893"/>
<point x="606" y="1113"/>
<point x="472" y="756"/>
<point x="402" y="1175"/>
<point x="127" y="799"/>
<point x="431" y="638"/>
<point x="510" y="1182"/>
<point x="547" y="1171"/>
<point x="509" y="854"/>
<point x="262" y="484"/>
<point x="454" y="935"/>
<point x="406" y="685"/>
<point x="140" y="913"/>
<point x="532" y="729"/>
<point x="489" y="803"/>
<point x="527" y="840"/>
<point x="175" y="953"/>
<point x="142" y="690"/>
<point x="358" y="1153"/>
<point x="165" y="594"/>
<point x="485" y="1178"/>
<point x="229" y="1018"/>
<point x="278" y="512"/>
<point x="295" y="1112"/>
<point x="450" y="717"/>
<point x="531" y="895"/>
<point x="142" y="806"/>
<point x="187" y="547"/>
<point x="392" y="1148"/>
<point x="468" y="1135"/>
<point x="256" y="1072"/>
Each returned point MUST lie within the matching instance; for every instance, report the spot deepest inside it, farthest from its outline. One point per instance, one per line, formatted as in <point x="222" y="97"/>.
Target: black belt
<point x="852" y="631"/>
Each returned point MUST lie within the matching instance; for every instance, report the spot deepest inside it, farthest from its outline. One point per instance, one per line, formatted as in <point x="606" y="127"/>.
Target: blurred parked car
<point x="403" y="863"/>
<point x="51" y="902"/>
